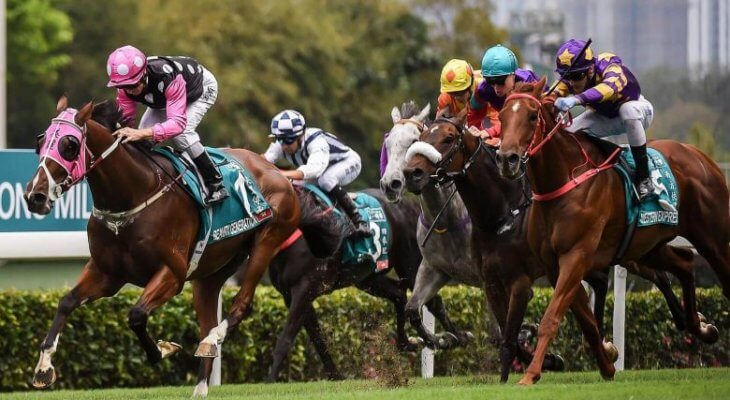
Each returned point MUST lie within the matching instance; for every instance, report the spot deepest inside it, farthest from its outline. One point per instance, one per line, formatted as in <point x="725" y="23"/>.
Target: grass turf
<point x="655" y="384"/>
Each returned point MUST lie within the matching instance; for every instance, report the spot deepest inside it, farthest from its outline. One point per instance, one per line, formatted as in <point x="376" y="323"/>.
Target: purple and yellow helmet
<point x="567" y="55"/>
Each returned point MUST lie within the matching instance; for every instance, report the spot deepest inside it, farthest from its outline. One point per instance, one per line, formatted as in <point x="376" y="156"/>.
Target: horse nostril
<point x="396" y="184"/>
<point x="37" y="199"/>
<point x="513" y="158"/>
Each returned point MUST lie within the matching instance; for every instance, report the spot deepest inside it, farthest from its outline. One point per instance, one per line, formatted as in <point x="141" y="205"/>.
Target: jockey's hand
<point x="566" y="103"/>
<point x="293" y="174"/>
<point x="133" y="135"/>
<point x="493" y="142"/>
<point x="481" y="133"/>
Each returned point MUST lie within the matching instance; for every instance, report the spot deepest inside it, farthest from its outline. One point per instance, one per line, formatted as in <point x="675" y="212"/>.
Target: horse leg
<point x="598" y="280"/>
<point x="428" y="282"/>
<point x="661" y="280"/>
<point x="386" y="288"/>
<point x="263" y="250"/>
<point x="205" y="302"/>
<point x="161" y="288"/>
<point x="570" y="273"/>
<point x="519" y="297"/>
<point x="680" y="262"/>
<point x="300" y="300"/>
<point x="717" y="254"/>
<point x="311" y="324"/>
<point x="604" y="352"/>
<point x="92" y="285"/>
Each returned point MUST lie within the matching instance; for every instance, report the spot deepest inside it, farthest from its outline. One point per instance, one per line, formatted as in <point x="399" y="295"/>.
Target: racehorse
<point x="301" y="277"/>
<point x="496" y="207"/>
<point x="580" y="231"/>
<point x="447" y="254"/>
<point x="144" y="229"/>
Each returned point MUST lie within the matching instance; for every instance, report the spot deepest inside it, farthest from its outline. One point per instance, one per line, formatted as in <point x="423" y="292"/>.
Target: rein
<point x="534" y="148"/>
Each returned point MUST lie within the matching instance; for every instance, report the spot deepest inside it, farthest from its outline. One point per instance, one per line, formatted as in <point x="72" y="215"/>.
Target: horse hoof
<point x="207" y="350"/>
<point x="469" y="337"/>
<point x="558" y="363"/>
<point x="416" y="341"/>
<point x="447" y="340"/>
<point x="611" y="351"/>
<point x="701" y="317"/>
<point x="709" y="333"/>
<point x="528" y="379"/>
<point x="168" y="349"/>
<point x="43" y="379"/>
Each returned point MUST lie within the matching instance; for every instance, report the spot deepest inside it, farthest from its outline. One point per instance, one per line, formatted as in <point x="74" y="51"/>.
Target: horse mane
<point x="109" y="115"/>
<point x="409" y="109"/>
<point x="524" y="87"/>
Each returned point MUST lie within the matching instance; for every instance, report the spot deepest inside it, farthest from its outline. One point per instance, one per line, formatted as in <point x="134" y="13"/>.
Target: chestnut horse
<point x="581" y="230"/>
<point x="157" y="233"/>
<point x="497" y="208"/>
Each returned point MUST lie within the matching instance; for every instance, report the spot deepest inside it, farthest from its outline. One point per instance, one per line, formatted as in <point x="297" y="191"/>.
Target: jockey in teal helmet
<point x="613" y="100"/>
<point x="500" y="72"/>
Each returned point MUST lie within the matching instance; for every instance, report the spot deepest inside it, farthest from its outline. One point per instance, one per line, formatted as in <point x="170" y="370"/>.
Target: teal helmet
<point x="498" y="61"/>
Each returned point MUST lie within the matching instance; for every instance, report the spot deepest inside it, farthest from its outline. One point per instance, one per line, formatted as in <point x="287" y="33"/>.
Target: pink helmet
<point x="125" y="66"/>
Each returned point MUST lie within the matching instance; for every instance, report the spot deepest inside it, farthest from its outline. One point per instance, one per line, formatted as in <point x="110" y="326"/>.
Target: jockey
<point x="458" y="82"/>
<point x="177" y="91"/>
<point x="500" y="72"/>
<point x="320" y="156"/>
<point x="613" y="99"/>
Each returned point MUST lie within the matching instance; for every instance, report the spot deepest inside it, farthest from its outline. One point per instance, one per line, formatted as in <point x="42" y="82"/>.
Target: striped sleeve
<point x="614" y="81"/>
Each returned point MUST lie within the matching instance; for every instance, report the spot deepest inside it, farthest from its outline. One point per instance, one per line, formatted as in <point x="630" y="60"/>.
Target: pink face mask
<point x="65" y="143"/>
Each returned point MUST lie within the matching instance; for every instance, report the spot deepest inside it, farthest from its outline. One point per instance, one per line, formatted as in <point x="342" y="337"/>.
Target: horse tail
<point x="321" y="228"/>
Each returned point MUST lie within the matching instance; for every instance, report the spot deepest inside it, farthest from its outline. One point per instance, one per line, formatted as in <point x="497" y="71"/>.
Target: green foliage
<point x="98" y="350"/>
<point x="37" y="34"/>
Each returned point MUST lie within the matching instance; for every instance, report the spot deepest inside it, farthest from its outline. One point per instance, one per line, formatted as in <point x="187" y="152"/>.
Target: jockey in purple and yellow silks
<point x="500" y="72"/>
<point x="613" y="100"/>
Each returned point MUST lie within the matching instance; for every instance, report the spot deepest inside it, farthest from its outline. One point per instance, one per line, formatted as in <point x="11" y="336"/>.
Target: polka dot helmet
<point x="125" y="66"/>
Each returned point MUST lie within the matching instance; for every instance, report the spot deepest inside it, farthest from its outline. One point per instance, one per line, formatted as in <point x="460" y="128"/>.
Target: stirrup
<point x="217" y="196"/>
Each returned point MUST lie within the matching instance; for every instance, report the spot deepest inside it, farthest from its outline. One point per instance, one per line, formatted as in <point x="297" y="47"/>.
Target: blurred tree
<point x="38" y="31"/>
<point x="701" y="137"/>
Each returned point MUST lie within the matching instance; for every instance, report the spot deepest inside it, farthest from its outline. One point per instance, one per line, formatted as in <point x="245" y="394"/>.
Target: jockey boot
<point x="212" y="178"/>
<point x="644" y="183"/>
<point x="348" y="206"/>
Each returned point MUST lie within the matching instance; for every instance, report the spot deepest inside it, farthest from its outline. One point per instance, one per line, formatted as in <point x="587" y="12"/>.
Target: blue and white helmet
<point x="287" y="124"/>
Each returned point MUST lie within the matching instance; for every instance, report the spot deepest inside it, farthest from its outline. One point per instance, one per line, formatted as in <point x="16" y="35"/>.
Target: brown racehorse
<point x="155" y="240"/>
<point x="581" y="231"/>
<point x="497" y="208"/>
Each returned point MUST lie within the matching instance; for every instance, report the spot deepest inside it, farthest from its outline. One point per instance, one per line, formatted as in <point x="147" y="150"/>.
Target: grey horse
<point x="447" y="256"/>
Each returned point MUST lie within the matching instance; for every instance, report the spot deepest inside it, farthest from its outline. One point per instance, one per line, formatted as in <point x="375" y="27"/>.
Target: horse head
<point x="524" y="121"/>
<point x="439" y="153"/>
<point x="408" y="122"/>
<point x="62" y="156"/>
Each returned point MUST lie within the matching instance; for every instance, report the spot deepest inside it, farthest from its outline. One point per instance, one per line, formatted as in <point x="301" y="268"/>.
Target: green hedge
<point x="98" y="350"/>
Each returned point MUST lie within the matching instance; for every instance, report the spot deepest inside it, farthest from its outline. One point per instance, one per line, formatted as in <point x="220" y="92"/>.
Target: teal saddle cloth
<point x="372" y="250"/>
<point x="245" y="209"/>
<point x="650" y="212"/>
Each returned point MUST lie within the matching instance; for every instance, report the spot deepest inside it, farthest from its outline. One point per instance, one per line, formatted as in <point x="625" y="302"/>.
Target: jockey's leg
<point x="331" y="182"/>
<point x="211" y="176"/>
<point x="636" y="116"/>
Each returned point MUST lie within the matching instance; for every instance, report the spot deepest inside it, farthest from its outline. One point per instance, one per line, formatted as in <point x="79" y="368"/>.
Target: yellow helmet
<point x="457" y="75"/>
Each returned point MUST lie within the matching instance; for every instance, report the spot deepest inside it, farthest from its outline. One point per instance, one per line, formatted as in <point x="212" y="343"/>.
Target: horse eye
<point x="533" y="117"/>
<point x="449" y="139"/>
<point x="69" y="147"/>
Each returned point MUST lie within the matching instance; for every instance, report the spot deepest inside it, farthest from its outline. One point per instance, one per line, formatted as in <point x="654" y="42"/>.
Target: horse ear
<point x="540" y="87"/>
<point x="441" y="112"/>
<point x="395" y="115"/>
<point x="84" y="113"/>
<point x="62" y="104"/>
<point x="424" y="113"/>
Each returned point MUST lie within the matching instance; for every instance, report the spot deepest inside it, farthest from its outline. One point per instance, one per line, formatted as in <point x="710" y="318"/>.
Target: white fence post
<point x="619" y="313"/>
<point x="215" y="375"/>
<point x="429" y="322"/>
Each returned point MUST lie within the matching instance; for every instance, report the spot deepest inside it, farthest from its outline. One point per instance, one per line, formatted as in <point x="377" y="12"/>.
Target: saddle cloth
<point x="372" y="250"/>
<point x="244" y="210"/>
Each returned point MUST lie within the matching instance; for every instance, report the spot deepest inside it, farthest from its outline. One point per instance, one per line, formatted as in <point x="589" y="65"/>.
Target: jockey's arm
<point x="478" y="109"/>
<point x="127" y="106"/>
<point x="614" y="80"/>
<point x="318" y="161"/>
<point x="176" y="107"/>
<point x="274" y="153"/>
